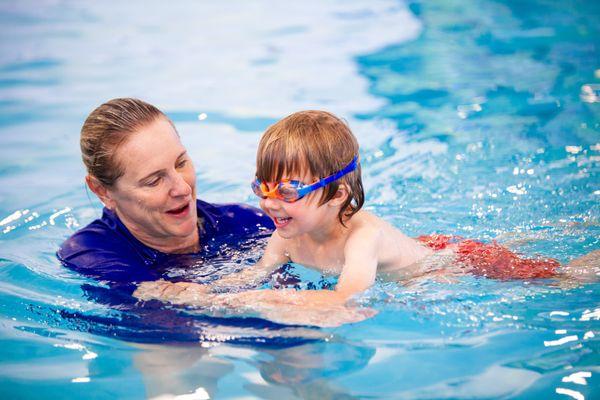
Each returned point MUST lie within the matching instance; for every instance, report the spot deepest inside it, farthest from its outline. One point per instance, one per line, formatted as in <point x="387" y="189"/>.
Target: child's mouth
<point x="281" y="221"/>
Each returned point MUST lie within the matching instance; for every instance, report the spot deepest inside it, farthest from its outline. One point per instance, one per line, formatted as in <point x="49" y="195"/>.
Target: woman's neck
<point x="174" y="245"/>
<point x="190" y="245"/>
<point x="168" y="245"/>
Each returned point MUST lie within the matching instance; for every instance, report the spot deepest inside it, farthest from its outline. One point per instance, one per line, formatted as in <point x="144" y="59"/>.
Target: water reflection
<point x="307" y="371"/>
<point x="171" y="371"/>
<point x="590" y="93"/>
<point x="578" y="377"/>
<point x="310" y="371"/>
<point x="571" y="393"/>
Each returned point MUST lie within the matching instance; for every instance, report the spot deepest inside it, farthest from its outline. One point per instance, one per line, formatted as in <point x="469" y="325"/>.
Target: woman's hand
<point x="176" y="293"/>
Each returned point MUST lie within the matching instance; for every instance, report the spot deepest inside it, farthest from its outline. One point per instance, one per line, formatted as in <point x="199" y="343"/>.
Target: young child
<point x="308" y="177"/>
<point x="309" y="180"/>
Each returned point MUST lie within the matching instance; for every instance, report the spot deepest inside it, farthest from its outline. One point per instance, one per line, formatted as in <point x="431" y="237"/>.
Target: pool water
<point x="479" y="119"/>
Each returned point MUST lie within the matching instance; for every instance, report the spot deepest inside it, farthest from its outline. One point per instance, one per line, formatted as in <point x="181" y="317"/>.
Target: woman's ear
<point x="101" y="191"/>
<point x="340" y="196"/>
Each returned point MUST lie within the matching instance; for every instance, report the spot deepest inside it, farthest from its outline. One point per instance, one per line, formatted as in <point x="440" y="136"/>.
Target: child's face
<point x="304" y="216"/>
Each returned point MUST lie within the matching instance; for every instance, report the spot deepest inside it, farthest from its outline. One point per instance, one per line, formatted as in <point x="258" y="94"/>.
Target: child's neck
<point x="327" y="232"/>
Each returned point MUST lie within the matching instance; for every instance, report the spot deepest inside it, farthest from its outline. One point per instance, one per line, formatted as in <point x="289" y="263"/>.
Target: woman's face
<point x="155" y="197"/>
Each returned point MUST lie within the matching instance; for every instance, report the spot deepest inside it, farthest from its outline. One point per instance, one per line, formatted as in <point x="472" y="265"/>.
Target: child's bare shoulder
<point x="387" y="235"/>
<point x="365" y="225"/>
<point x="365" y="220"/>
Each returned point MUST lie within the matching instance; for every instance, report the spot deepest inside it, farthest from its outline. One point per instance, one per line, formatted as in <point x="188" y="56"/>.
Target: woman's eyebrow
<point x="152" y="174"/>
<point x="160" y="171"/>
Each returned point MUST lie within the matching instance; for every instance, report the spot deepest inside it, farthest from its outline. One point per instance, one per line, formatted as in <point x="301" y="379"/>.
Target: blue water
<point x="479" y="118"/>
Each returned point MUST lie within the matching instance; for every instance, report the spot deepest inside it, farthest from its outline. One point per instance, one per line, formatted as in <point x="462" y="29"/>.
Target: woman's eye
<point x="153" y="182"/>
<point x="181" y="164"/>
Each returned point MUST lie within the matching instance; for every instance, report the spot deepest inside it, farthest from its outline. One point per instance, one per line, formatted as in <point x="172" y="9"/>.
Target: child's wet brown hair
<point x="317" y="143"/>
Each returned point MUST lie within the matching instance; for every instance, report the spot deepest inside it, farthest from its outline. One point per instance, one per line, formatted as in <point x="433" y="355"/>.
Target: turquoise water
<point x="479" y="118"/>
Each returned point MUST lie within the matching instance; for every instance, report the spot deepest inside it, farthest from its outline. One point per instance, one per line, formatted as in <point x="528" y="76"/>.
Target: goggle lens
<point x="286" y="191"/>
<point x="258" y="190"/>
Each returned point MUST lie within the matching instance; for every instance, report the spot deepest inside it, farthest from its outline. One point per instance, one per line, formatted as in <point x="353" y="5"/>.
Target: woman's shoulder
<point x="103" y="241"/>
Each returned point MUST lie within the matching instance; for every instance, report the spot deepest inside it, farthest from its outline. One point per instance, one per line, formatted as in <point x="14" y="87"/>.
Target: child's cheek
<point x="262" y="204"/>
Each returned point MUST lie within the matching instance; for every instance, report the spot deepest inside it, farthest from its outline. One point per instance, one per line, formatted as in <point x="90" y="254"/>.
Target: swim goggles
<point x="291" y="191"/>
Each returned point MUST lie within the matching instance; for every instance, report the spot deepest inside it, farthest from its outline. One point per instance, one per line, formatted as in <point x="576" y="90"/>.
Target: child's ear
<point x="101" y="191"/>
<point x="340" y="196"/>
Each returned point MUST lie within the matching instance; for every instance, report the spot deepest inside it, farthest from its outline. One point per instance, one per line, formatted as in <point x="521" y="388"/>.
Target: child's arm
<point x="358" y="274"/>
<point x="361" y="260"/>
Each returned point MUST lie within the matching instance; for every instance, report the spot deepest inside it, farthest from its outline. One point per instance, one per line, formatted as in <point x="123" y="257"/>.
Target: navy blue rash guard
<point x="106" y="251"/>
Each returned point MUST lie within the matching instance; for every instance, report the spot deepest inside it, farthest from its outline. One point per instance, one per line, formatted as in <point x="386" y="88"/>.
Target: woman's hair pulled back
<point x="106" y="128"/>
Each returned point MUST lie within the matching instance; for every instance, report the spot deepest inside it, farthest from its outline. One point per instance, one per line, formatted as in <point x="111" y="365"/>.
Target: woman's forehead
<point x="153" y="147"/>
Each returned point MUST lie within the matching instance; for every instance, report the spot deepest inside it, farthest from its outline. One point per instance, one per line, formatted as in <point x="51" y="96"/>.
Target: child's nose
<point x="269" y="203"/>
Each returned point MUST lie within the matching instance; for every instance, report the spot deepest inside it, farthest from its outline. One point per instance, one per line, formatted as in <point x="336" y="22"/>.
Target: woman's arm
<point x="193" y="293"/>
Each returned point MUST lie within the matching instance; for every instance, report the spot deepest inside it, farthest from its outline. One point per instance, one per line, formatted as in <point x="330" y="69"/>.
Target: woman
<point x="143" y="175"/>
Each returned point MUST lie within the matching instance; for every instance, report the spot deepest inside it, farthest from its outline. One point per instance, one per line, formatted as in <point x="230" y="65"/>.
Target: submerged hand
<point x="176" y="293"/>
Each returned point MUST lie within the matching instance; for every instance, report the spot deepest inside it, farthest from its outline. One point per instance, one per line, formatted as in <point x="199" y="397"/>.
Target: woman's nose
<point x="180" y="186"/>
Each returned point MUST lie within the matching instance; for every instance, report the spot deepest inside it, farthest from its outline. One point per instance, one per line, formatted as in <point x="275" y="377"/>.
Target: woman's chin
<point x="182" y="228"/>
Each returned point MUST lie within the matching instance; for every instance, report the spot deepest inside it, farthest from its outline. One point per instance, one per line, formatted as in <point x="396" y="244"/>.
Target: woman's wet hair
<point x="316" y="143"/>
<point x="107" y="128"/>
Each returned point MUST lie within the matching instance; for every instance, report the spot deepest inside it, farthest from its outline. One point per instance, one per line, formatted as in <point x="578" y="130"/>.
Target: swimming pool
<point x="478" y="119"/>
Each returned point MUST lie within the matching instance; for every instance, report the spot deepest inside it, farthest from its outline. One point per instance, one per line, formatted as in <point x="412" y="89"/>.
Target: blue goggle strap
<point x="303" y="191"/>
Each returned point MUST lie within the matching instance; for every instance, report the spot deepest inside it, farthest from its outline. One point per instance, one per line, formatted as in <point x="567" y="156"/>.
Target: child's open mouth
<point x="281" y="222"/>
<point x="180" y="211"/>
